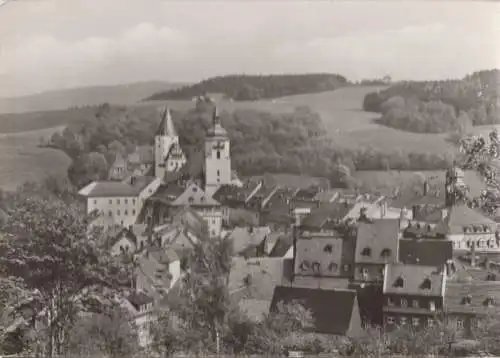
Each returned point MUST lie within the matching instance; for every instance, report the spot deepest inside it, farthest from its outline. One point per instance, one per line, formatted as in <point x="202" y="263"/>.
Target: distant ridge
<point x="84" y="96"/>
<point x="255" y="87"/>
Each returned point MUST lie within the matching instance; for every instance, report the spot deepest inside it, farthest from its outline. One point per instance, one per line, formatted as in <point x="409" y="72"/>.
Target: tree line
<point x="252" y="88"/>
<point x="438" y="106"/>
<point x="261" y="143"/>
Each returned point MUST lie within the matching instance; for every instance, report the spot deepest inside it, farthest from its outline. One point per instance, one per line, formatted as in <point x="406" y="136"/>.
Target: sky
<point x="52" y="44"/>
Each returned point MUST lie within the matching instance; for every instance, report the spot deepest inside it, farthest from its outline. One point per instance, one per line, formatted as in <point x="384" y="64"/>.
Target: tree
<point x="87" y="168"/>
<point x="49" y="248"/>
<point x="110" y="333"/>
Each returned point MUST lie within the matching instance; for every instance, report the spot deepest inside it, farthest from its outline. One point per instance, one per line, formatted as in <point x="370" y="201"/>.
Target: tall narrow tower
<point x="166" y="138"/>
<point x="455" y="183"/>
<point x="217" y="156"/>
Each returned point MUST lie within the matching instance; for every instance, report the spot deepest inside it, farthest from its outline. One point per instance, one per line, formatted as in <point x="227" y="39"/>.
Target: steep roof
<point x="217" y="130"/>
<point x="243" y="237"/>
<point x="472" y="297"/>
<point x="282" y="246"/>
<point x="324" y="213"/>
<point x="167" y="193"/>
<point x="195" y="196"/>
<point x="461" y="216"/>
<point x="427" y="252"/>
<point x="414" y="280"/>
<point x="256" y="278"/>
<point x="167" y="127"/>
<point x="377" y="242"/>
<point x="332" y="310"/>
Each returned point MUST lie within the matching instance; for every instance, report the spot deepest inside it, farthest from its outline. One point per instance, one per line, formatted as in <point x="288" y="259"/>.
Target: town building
<point x="413" y="295"/>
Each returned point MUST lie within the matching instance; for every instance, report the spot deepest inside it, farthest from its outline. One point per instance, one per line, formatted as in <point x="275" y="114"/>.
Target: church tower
<point x="168" y="154"/>
<point x="455" y="183"/>
<point x="217" y="156"/>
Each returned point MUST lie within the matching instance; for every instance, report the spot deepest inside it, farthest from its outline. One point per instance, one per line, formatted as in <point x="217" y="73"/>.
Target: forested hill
<point x="250" y="87"/>
<point x="439" y="106"/>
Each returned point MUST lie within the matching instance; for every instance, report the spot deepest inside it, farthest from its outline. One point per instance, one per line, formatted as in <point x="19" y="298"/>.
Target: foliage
<point x="251" y="88"/>
<point x="60" y="262"/>
<point x="475" y="95"/>
<point x="111" y="333"/>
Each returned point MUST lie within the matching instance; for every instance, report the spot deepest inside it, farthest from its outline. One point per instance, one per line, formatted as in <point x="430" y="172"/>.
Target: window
<point x="126" y="212"/>
<point x="403" y="320"/>
<point x="133" y="201"/>
<point x="467" y="300"/>
<point x="218" y="172"/>
<point x="415" y="304"/>
<point x="415" y="321"/>
<point x="430" y="322"/>
<point x="399" y="282"/>
<point x="432" y="306"/>
<point x="391" y="320"/>
<point x="118" y="212"/>
<point x="460" y="323"/>
<point x="390" y="301"/>
<point x="122" y="222"/>
<point x="404" y="302"/>
<point x="218" y="154"/>
<point x="133" y="212"/>
<point x="126" y="201"/>
<point x="213" y="221"/>
<point x="366" y="251"/>
<point x="426" y="284"/>
<point x="95" y="201"/>
<point x="328" y="248"/>
<point x="386" y="253"/>
<point x="110" y="213"/>
<point x="347" y="268"/>
<point x="110" y="201"/>
<point x="332" y="267"/>
<point x="364" y="271"/>
<point x="118" y="201"/>
<point x="315" y="266"/>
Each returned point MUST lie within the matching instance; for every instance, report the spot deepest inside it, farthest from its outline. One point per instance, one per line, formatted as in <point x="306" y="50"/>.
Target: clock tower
<point x="217" y="156"/>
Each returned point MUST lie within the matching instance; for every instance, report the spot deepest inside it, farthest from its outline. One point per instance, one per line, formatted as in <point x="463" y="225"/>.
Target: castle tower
<point x="217" y="156"/>
<point x="166" y="142"/>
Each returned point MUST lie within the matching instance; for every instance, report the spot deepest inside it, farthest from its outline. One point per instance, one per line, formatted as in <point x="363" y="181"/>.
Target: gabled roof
<point x="243" y="237"/>
<point x="195" y="196"/>
<point x="167" y="193"/>
<point x="332" y="310"/>
<point x="377" y="242"/>
<point x="427" y="252"/>
<point x="282" y="246"/>
<point x="461" y="216"/>
<point x="123" y="233"/>
<point x="472" y="297"/>
<point x="414" y="280"/>
<point x="321" y="215"/>
<point x="167" y="127"/>
<point x="138" y="299"/>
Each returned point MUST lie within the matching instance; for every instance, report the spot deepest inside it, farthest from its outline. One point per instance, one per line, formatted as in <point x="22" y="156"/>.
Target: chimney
<point x="426" y="187"/>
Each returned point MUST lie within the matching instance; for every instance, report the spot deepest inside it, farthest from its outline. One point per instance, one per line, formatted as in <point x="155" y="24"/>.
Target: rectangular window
<point x="110" y="201"/>
<point x="390" y="301"/>
<point x="430" y="322"/>
<point x="126" y="201"/>
<point x="95" y="201"/>
<point x="118" y="212"/>
<point x="415" y="321"/>
<point x="432" y="306"/>
<point x="460" y="323"/>
<point x="133" y="201"/>
<point x="415" y="304"/>
<point x="118" y="201"/>
<point x="126" y="212"/>
<point x="391" y="320"/>
<point x="402" y="320"/>
<point x="404" y="303"/>
<point x="110" y="213"/>
<point x="218" y="154"/>
<point x="133" y="212"/>
<point x="218" y="172"/>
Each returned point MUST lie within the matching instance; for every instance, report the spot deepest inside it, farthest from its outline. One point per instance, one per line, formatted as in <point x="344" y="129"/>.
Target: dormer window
<point x="386" y="253"/>
<point x="399" y="282"/>
<point x="429" y="228"/>
<point x="426" y="284"/>
<point x="332" y="267"/>
<point x="191" y="200"/>
<point x="328" y="248"/>
<point x="489" y="302"/>
<point x="466" y="230"/>
<point x="366" y="252"/>
<point x="315" y="266"/>
<point x="304" y="265"/>
<point x="467" y="300"/>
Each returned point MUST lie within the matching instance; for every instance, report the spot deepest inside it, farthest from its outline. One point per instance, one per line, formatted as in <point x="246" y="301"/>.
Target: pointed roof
<point x="461" y="216"/>
<point x="217" y="129"/>
<point x="167" y="127"/>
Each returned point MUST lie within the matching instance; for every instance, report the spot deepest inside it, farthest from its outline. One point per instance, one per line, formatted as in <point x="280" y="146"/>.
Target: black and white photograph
<point x="236" y="179"/>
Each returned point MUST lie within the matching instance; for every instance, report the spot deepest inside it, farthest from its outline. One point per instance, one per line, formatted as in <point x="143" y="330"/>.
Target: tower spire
<point x="167" y="127"/>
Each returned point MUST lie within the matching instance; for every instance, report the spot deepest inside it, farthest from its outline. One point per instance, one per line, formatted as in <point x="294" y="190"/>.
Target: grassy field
<point x="22" y="160"/>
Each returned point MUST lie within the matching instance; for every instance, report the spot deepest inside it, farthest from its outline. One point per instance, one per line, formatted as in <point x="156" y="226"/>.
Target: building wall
<point x="217" y="163"/>
<point x="213" y="217"/>
<point x="175" y="270"/>
<point x="122" y="210"/>
<point x="162" y="146"/>
<point x="122" y="244"/>
<point x="326" y="251"/>
<point x="484" y="242"/>
<point x="369" y="272"/>
<point x="414" y="310"/>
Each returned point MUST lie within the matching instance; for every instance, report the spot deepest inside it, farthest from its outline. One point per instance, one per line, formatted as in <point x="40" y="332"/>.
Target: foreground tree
<point x="60" y="263"/>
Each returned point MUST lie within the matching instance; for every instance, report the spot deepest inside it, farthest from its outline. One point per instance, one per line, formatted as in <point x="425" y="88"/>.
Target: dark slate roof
<point x="462" y="216"/>
<point x="458" y="293"/>
<point x="168" y="193"/>
<point x="429" y="213"/>
<point x="137" y="299"/>
<point x="166" y="127"/>
<point x="376" y="237"/>
<point x="244" y="237"/>
<point x="425" y="230"/>
<point x="325" y="213"/>
<point x="107" y="189"/>
<point x="123" y="233"/>
<point x="306" y="194"/>
<point x="284" y="243"/>
<point x="331" y="309"/>
<point x="195" y="196"/>
<point x="430" y="252"/>
<point x="414" y="278"/>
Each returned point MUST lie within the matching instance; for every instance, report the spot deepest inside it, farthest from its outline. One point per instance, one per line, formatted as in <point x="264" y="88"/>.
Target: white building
<point x="169" y="156"/>
<point x="119" y="202"/>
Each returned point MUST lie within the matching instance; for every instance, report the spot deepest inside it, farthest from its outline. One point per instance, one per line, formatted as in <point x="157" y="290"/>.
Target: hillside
<point x="251" y="88"/>
<point x="83" y="96"/>
<point x="439" y="106"/>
